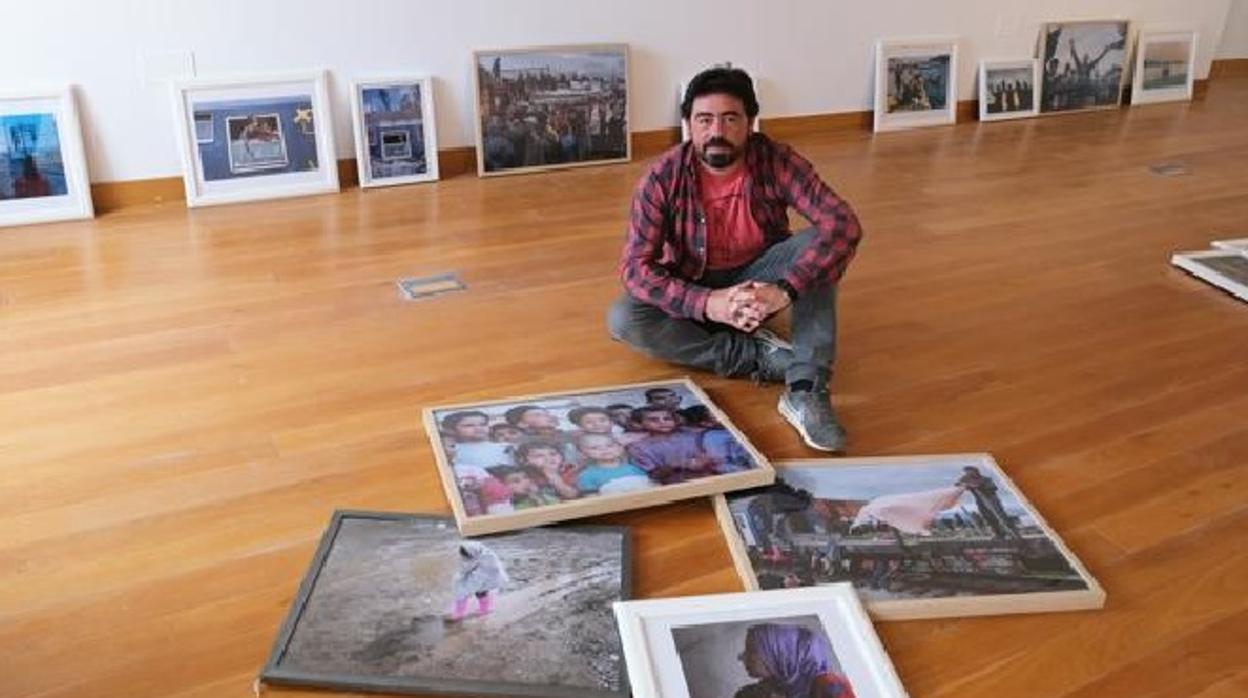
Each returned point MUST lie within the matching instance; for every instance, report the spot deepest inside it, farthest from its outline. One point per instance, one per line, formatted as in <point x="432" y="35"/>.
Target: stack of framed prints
<point x="1225" y="266"/>
<point x="402" y="603"/>
<point x="915" y="83"/>
<point x="527" y="461"/>
<point x="43" y="172"/>
<point x="1083" y="65"/>
<point x="1007" y="89"/>
<point x="795" y="643"/>
<point x="917" y="537"/>
<point x="554" y="106"/>
<point x="255" y="139"/>
<point x="396" y="138"/>
<point x="1164" y="67"/>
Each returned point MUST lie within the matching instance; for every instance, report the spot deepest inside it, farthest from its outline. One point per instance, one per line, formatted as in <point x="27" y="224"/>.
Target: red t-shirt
<point x="733" y="238"/>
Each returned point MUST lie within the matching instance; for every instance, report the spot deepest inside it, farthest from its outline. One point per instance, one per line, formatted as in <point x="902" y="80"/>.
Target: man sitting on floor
<point x="709" y="256"/>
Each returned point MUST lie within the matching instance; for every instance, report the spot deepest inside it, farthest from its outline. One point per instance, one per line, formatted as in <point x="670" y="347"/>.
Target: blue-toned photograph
<point x="259" y="137"/>
<point x="918" y="83"/>
<point x="30" y="157"/>
<point x="1165" y="64"/>
<point x="394" y="121"/>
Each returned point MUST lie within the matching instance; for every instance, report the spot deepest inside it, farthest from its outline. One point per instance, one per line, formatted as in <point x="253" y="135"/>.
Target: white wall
<point x="812" y="56"/>
<point x="1235" y="38"/>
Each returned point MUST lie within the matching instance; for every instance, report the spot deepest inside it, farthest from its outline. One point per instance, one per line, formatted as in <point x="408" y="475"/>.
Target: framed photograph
<point x="400" y="603"/>
<point x="519" y="462"/>
<point x="917" y="537"/>
<point x="551" y="107"/>
<point x="915" y="83"/>
<point x="1227" y="269"/>
<point x="43" y="172"/>
<point x="790" y="643"/>
<point x="1083" y="65"/>
<point x="255" y="139"/>
<point x="396" y="139"/>
<point x="1164" y="67"/>
<point x="680" y="99"/>
<point x="1007" y="89"/>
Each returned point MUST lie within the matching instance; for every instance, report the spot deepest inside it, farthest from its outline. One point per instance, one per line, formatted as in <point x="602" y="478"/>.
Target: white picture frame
<point x="43" y="168"/>
<point x="1224" y="268"/>
<point x="380" y="165"/>
<point x="660" y="637"/>
<point x="605" y="140"/>
<point x="1021" y="101"/>
<point x="934" y="573"/>
<point x="1157" y="55"/>
<point x="1078" y="62"/>
<point x="272" y="137"/>
<point x="680" y="100"/>
<point x="1238" y="245"/>
<point x="916" y="83"/>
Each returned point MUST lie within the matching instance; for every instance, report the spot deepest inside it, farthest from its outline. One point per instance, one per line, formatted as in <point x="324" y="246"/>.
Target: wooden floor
<point x="185" y="397"/>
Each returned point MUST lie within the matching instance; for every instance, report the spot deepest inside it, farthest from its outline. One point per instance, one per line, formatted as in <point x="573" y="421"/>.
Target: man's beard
<point x="720" y="158"/>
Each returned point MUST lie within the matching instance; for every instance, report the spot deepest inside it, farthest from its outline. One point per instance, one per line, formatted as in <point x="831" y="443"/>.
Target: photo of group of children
<point x="533" y="453"/>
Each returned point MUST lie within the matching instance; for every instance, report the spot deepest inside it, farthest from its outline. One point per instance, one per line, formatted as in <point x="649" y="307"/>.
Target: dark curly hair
<point x="729" y="81"/>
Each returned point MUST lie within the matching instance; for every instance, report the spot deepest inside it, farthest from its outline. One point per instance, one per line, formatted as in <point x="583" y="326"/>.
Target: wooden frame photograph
<point x="255" y="138"/>
<point x="43" y="169"/>
<point x="917" y="536"/>
<point x="916" y="83"/>
<point x="1083" y="65"/>
<point x="1008" y="89"/>
<point x="385" y="111"/>
<point x="1165" y="67"/>
<point x="536" y="459"/>
<point x="551" y="107"/>
<point x="793" y="642"/>
<point x="401" y="603"/>
<point x="1223" y="268"/>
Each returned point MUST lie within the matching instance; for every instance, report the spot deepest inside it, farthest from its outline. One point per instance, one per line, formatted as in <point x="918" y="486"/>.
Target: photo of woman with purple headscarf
<point x="790" y="661"/>
<point x="788" y="657"/>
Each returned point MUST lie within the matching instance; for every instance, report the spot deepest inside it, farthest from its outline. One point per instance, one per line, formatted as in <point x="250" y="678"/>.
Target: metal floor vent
<point x="1169" y="169"/>
<point x="415" y="288"/>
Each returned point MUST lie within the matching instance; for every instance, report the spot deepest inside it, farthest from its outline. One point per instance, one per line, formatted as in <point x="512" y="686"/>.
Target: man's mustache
<point x="718" y="140"/>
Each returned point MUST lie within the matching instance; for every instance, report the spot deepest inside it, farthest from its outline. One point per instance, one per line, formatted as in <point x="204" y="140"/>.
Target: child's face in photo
<point x="472" y="428"/>
<point x="665" y="398"/>
<point x="596" y="423"/>
<point x="543" y="458"/>
<point x="601" y="449"/>
<point x="539" y="419"/>
<point x="505" y="433"/>
<point x="658" y="422"/>
<point x="519" y="483"/>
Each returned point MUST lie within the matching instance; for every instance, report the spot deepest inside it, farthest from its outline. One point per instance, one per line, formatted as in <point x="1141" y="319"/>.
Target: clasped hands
<point x="746" y="305"/>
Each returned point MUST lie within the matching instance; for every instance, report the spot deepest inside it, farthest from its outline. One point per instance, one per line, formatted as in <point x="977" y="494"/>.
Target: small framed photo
<point x="1164" y="67"/>
<point x="396" y="140"/>
<point x="400" y="603"/>
<point x="526" y="461"/>
<point x="917" y="537"/>
<point x="795" y="643"/>
<point x="248" y="140"/>
<point x="915" y="83"/>
<point x="1225" y="268"/>
<point x="1007" y="89"/>
<point x="1083" y="65"/>
<point x="43" y="172"/>
<point x="680" y="100"/>
<point x="551" y="107"/>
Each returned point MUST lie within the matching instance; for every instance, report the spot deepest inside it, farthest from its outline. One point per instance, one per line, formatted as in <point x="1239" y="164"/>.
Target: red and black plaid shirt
<point x="665" y="253"/>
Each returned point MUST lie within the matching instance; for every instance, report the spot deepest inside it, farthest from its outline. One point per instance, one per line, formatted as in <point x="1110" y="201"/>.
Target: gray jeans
<point x="729" y="352"/>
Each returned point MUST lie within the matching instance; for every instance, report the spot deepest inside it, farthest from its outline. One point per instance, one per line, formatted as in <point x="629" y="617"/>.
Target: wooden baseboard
<point x="1229" y="68"/>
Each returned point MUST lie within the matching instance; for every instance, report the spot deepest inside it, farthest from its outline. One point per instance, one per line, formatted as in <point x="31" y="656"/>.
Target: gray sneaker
<point x="810" y="412"/>
<point x="774" y="356"/>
